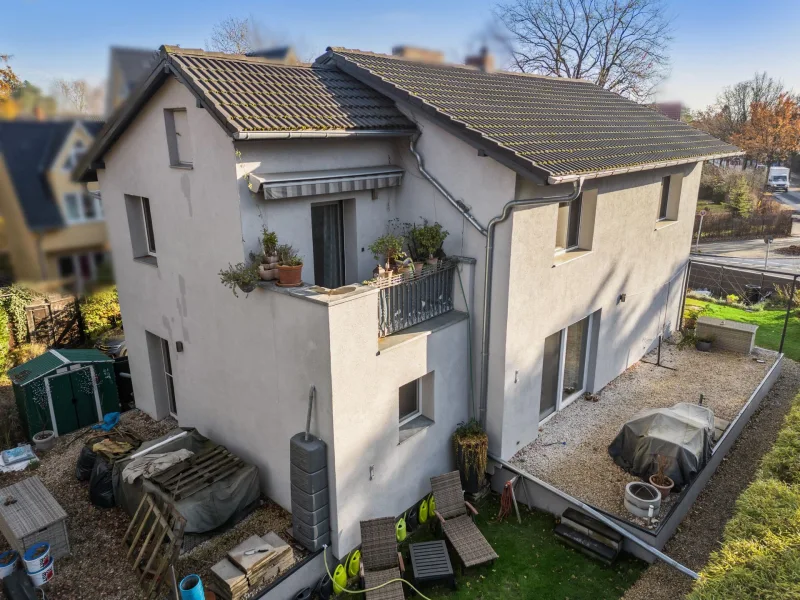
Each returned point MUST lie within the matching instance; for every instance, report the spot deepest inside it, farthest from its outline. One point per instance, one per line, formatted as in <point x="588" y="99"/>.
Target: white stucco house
<point x="575" y="204"/>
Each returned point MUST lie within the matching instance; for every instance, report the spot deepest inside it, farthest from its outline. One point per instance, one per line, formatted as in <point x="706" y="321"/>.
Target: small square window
<point x="409" y="401"/>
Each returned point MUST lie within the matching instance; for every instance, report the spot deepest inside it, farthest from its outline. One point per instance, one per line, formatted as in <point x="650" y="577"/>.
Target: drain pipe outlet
<point x="459" y="206"/>
<point x="577" y="187"/>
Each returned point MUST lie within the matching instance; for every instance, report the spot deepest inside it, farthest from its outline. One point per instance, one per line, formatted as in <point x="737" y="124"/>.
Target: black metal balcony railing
<point x="410" y="298"/>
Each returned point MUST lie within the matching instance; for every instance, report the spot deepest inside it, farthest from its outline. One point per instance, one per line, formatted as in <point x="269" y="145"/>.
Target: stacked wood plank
<point x="239" y="574"/>
<point x="198" y="472"/>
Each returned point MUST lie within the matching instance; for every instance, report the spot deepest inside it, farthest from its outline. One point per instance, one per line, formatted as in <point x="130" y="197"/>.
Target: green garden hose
<point x="372" y="589"/>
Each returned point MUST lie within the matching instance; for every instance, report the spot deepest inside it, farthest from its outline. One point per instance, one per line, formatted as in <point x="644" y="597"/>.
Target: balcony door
<point x="327" y="236"/>
<point x="565" y="366"/>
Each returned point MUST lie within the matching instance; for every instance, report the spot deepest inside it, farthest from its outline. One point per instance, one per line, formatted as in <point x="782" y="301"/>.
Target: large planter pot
<point x="471" y="479"/>
<point x="432" y="261"/>
<point x="703" y="346"/>
<point x="664" y="489"/>
<point x="639" y="497"/>
<point x="290" y="276"/>
<point x="44" y="440"/>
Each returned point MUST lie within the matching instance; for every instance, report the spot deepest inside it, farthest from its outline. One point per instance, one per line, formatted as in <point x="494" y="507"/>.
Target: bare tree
<point x="75" y="91"/>
<point x="620" y="45"/>
<point x="237" y="36"/>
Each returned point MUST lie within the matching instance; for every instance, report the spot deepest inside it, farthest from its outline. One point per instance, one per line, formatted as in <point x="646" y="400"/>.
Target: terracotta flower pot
<point x="290" y="275"/>
<point x="664" y="489"/>
<point x="418" y="264"/>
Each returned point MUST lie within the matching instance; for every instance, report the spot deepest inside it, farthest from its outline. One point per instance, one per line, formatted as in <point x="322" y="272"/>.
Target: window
<point x="82" y="266"/>
<point x="565" y="367"/>
<point x="168" y="380"/>
<point x="75" y="153"/>
<point x="664" y="204"/>
<point x="79" y="208"/>
<point x="66" y="267"/>
<point x="569" y="224"/>
<point x="140" y="224"/>
<point x="179" y="142"/>
<point x="409" y="401"/>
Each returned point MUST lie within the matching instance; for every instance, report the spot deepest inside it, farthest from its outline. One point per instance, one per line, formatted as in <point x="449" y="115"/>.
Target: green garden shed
<point x="64" y="390"/>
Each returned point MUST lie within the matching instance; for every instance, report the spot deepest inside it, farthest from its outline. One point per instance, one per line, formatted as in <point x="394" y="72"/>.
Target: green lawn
<point x="710" y="206"/>
<point x="770" y="324"/>
<point x="533" y="563"/>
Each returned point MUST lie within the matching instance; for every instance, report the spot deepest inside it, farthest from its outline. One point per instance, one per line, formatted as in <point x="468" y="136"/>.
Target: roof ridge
<point x="340" y="49"/>
<point x="167" y="50"/>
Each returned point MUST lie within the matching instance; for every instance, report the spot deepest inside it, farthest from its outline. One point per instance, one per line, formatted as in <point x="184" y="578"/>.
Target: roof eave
<point x="557" y="179"/>
<point x="332" y="133"/>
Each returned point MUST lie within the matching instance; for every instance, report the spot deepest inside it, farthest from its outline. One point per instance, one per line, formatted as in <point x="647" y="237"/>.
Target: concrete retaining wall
<point x="728" y="335"/>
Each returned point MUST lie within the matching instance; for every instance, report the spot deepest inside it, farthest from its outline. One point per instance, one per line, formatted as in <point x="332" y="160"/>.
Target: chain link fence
<point x="766" y="298"/>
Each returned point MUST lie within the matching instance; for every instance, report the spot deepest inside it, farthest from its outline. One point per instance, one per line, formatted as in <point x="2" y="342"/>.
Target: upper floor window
<point x="140" y="224"/>
<point x="78" y="149"/>
<point x="569" y="224"/>
<point x="669" y="198"/>
<point x="179" y="141"/>
<point x="664" y="202"/>
<point x="79" y="208"/>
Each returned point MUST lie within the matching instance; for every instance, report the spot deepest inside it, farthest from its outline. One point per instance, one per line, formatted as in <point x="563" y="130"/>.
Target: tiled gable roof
<point x="559" y="128"/>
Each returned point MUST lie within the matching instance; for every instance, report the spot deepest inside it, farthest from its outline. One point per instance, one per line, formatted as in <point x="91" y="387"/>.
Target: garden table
<point x="430" y="562"/>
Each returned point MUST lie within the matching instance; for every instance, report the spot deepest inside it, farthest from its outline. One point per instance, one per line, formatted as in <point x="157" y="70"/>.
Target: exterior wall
<point x="22" y="243"/>
<point x="631" y="254"/>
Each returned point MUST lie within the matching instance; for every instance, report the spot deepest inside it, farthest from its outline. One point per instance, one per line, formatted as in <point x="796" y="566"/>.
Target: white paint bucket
<point x="9" y="562"/>
<point x="37" y="557"/>
<point x="39" y="578"/>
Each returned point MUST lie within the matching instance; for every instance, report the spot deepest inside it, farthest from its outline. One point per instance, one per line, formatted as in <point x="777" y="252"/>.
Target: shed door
<point x="73" y="400"/>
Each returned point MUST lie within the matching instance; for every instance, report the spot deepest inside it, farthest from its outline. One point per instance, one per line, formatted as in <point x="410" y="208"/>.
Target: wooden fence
<point x="720" y="226"/>
<point x="54" y="323"/>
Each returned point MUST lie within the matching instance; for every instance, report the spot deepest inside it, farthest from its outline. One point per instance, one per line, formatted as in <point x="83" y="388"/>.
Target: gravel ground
<point x="583" y="467"/>
<point x="97" y="568"/>
<point x="701" y="530"/>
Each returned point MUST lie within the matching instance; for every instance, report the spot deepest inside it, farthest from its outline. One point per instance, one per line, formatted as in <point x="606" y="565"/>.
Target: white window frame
<point x="169" y="378"/>
<point x="82" y="218"/>
<point x="410" y="417"/>
<point x="149" y="231"/>
<point x="577" y="244"/>
<point x="561" y="402"/>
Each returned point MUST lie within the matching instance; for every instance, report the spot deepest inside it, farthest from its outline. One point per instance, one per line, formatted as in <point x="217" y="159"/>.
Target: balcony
<point x="411" y="298"/>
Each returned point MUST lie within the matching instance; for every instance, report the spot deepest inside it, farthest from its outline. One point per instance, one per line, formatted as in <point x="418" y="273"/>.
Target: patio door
<point x="327" y="236"/>
<point x="566" y="354"/>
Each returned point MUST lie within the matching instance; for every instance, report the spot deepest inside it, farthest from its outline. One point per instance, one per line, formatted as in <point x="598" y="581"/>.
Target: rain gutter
<point x="316" y="134"/>
<point x="599" y="516"/>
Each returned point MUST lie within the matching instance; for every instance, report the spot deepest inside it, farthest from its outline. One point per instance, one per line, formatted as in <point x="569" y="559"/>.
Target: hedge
<point x="760" y="553"/>
<point x="100" y="311"/>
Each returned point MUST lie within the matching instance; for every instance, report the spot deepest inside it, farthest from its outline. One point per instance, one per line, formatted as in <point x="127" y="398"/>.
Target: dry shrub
<point x="25" y="352"/>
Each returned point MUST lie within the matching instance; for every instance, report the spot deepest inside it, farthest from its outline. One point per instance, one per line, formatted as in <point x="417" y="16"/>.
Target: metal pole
<point x="766" y="259"/>
<point x="699" y="229"/>
<point x="788" y="312"/>
<point x="684" y="290"/>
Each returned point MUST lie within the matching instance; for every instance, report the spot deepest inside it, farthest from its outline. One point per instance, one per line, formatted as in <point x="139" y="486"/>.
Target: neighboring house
<point x="54" y="225"/>
<point x="586" y="272"/>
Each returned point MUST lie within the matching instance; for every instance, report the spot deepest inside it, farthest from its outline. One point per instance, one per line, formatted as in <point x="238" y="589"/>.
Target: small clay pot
<point x="268" y="272"/>
<point x="290" y="276"/>
<point x="664" y="489"/>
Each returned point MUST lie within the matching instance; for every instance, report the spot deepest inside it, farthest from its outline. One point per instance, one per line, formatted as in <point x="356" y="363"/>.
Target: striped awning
<point x="316" y="183"/>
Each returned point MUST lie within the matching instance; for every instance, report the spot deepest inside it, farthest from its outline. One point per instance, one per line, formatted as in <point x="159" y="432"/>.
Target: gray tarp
<point x="683" y="434"/>
<point x="204" y="511"/>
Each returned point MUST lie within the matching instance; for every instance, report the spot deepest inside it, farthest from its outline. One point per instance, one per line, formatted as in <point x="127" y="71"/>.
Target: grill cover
<point x="683" y="434"/>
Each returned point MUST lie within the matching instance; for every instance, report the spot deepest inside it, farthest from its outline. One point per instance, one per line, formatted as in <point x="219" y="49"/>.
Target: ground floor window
<point x="409" y="401"/>
<point x="82" y="265"/>
<point x="158" y="350"/>
<point x="565" y="368"/>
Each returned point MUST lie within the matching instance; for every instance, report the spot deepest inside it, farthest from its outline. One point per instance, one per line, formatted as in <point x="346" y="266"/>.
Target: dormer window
<point x="80" y="208"/>
<point x="76" y="152"/>
<point x="179" y="142"/>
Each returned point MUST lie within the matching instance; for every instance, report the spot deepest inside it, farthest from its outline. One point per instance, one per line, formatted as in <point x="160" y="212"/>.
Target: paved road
<point x="788" y="265"/>
<point x="790" y="198"/>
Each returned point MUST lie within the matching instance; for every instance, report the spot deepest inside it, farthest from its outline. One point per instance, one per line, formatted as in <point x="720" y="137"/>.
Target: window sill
<point x="147" y="260"/>
<point x="569" y="256"/>
<point x="663" y="223"/>
<point x="413" y="427"/>
<point x="185" y="166"/>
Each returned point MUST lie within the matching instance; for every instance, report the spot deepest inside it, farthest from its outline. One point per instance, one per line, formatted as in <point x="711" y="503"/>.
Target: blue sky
<point x="717" y="42"/>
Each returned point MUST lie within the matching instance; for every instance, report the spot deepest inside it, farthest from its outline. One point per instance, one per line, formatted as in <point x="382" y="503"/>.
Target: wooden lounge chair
<point x="380" y="560"/>
<point x="457" y="524"/>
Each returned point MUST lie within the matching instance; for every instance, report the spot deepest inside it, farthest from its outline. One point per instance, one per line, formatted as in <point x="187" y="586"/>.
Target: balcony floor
<point x="421" y="329"/>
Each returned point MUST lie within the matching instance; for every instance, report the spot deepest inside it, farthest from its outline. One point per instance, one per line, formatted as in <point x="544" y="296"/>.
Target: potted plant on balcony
<point x="290" y="267"/>
<point x="268" y="269"/>
<point x="659" y="479"/>
<point x="240" y="276"/>
<point x="472" y="446"/>
<point x="387" y="248"/>
<point x="427" y="241"/>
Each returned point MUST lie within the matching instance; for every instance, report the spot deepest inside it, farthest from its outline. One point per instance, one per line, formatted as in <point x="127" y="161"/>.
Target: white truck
<point x="778" y="179"/>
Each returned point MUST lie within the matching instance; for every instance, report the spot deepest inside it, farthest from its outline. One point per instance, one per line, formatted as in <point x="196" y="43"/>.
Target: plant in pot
<point x="386" y="248"/>
<point x="428" y="240"/>
<point x="703" y="343"/>
<point x="660" y="480"/>
<point x="472" y="446"/>
<point x="290" y="267"/>
<point x="240" y="276"/>
<point x="268" y="269"/>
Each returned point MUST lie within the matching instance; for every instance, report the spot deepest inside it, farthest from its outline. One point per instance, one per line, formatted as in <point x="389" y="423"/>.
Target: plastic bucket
<point x="192" y="588"/>
<point x="39" y="578"/>
<point x="37" y="557"/>
<point x="8" y="563"/>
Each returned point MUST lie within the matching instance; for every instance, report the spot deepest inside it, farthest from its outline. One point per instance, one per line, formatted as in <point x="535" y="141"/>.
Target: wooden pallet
<point x="154" y="539"/>
<point x="198" y="472"/>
